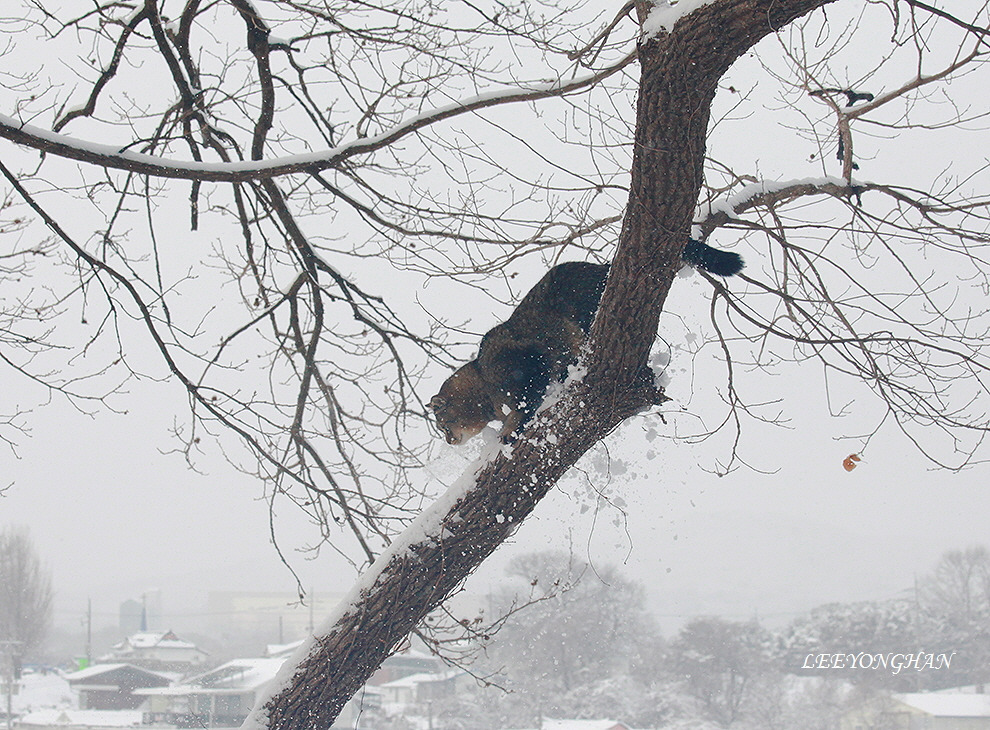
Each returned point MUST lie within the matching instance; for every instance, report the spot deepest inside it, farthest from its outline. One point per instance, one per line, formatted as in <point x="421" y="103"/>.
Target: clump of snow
<point x="659" y="364"/>
<point x="666" y="13"/>
<point x="491" y="446"/>
<point x="555" y="391"/>
<point x="576" y="372"/>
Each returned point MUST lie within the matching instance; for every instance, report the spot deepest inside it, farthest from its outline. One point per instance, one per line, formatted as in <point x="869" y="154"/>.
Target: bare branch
<point x="115" y="159"/>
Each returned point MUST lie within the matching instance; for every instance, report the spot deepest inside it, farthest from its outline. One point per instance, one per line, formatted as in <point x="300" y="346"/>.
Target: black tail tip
<point x="724" y="263"/>
<point x="713" y="260"/>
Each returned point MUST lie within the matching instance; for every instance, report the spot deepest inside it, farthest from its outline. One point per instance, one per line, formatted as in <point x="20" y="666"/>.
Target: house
<point x="398" y="665"/>
<point x="264" y="614"/>
<point x="549" y="724"/>
<point x="922" y="711"/>
<point x="561" y="724"/>
<point x="162" y="651"/>
<point x="223" y="697"/>
<point x="283" y="651"/>
<point x="422" y="687"/>
<point x="112" y="686"/>
<point x="403" y="663"/>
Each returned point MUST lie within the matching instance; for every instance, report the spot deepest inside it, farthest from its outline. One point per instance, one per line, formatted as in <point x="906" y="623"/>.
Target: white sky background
<point x="113" y="516"/>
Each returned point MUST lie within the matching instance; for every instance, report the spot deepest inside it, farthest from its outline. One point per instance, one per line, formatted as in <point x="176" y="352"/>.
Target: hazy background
<point x="115" y="515"/>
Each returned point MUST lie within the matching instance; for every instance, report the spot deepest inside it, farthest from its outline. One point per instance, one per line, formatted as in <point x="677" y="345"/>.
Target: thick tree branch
<point x="680" y="71"/>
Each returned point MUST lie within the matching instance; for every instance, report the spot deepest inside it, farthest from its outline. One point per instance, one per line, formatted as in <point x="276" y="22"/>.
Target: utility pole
<point x="89" y="631"/>
<point x="9" y="654"/>
<point x="8" y="680"/>
<point x="312" y="624"/>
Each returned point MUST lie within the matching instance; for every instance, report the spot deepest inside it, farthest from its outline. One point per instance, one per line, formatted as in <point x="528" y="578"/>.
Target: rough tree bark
<point x="679" y="74"/>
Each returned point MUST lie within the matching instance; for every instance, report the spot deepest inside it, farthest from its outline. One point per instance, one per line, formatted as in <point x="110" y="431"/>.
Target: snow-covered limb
<point x="772" y="192"/>
<point x="117" y="158"/>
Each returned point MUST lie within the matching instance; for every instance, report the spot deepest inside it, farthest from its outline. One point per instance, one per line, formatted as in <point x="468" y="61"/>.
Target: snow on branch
<point x="665" y="14"/>
<point x="768" y="193"/>
<point x="117" y="158"/>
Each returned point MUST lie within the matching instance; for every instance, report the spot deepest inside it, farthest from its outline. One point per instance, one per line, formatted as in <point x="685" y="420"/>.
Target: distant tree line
<point x="578" y="642"/>
<point x="948" y="613"/>
<point x="25" y="600"/>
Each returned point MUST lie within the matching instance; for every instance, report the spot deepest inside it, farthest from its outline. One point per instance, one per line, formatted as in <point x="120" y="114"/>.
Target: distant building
<point x="274" y="617"/>
<point x="922" y="711"/>
<point x="560" y="724"/>
<point x="225" y="696"/>
<point x="221" y="697"/>
<point x="404" y="663"/>
<point x="160" y="651"/>
<point x="140" y="616"/>
<point x="112" y="686"/>
<point x="397" y="666"/>
<point x="969" y="689"/>
<point x="404" y="680"/>
<point x="422" y="688"/>
<point x="132" y="617"/>
<point x="282" y="651"/>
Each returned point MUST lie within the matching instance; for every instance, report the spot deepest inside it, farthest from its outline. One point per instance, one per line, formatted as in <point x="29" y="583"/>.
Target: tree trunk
<point x="679" y="75"/>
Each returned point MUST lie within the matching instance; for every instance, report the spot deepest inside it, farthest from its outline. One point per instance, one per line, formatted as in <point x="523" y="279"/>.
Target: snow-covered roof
<point x="549" y="724"/>
<point x="948" y="705"/>
<point x="412" y="680"/>
<point x="239" y="675"/>
<point x="411" y="653"/>
<point x="282" y="650"/>
<point x="93" y="670"/>
<point x="41" y="691"/>
<point x="99" y="669"/>
<point x="152" y="639"/>
<point x="100" y="718"/>
<point x="967" y="689"/>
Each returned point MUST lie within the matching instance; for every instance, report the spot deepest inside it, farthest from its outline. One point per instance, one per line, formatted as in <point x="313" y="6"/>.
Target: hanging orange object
<point x="849" y="463"/>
